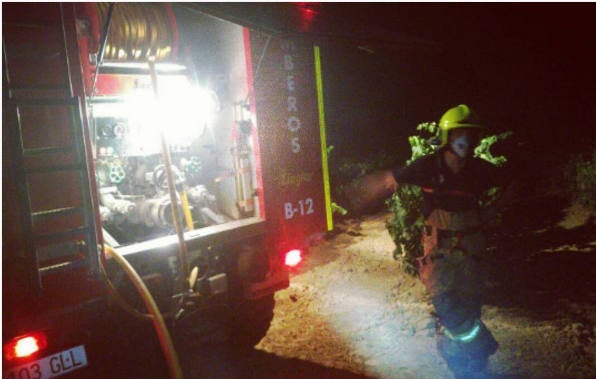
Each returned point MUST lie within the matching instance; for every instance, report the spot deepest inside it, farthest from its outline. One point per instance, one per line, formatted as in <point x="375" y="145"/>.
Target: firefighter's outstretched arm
<point x="389" y="182"/>
<point x="369" y="191"/>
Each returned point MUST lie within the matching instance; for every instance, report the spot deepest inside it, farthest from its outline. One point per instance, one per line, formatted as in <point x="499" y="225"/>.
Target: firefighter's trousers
<point x="453" y="270"/>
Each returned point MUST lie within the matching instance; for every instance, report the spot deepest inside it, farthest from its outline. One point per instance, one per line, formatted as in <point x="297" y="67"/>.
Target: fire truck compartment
<point x="197" y="111"/>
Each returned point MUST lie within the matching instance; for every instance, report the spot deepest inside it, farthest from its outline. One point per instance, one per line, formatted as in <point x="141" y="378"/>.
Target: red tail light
<point x="25" y="346"/>
<point x="293" y="258"/>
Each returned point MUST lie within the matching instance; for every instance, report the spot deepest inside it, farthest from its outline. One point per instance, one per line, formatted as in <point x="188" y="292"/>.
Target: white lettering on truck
<point x="303" y="207"/>
<point x="293" y="122"/>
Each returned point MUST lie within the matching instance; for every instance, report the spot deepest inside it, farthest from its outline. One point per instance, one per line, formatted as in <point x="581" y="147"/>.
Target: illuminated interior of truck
<point x="197" y="114"/>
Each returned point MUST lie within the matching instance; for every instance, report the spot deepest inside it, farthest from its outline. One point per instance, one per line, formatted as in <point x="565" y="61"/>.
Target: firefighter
<point x="452" y="268"/>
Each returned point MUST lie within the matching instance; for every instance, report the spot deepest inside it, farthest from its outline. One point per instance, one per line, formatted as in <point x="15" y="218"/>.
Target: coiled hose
<point x="163" y="335"/>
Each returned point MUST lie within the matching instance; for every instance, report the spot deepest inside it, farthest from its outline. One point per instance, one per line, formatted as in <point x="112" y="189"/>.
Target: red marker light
<point x="293" y="258"/>
<point x="25" y="346"/>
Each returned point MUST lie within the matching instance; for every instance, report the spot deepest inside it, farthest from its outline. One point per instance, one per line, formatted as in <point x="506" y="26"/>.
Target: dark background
<point x="528" y="68"/>
<point x="524" y="67"/>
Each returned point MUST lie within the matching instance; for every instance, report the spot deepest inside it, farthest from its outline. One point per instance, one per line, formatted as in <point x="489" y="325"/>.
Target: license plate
<point x="51" y="366"/>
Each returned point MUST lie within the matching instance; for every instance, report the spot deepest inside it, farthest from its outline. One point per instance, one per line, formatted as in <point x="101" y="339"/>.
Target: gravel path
<point x="352" y="308"/>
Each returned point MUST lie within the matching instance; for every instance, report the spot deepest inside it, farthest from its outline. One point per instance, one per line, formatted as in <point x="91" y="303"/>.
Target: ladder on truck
<point x="43" y="110"/>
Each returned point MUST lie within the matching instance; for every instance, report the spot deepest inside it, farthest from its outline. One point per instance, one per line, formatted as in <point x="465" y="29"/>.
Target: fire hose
<point x="161" y="330"/>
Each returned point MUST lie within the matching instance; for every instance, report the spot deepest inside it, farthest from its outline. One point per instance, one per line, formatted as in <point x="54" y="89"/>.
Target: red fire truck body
<point x="191" y="146"/>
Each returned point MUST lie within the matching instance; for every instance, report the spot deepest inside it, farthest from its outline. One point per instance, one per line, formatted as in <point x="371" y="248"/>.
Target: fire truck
<point x="156" y="159"/>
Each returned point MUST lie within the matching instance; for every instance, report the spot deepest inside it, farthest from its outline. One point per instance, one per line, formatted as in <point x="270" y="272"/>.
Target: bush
<point x="406" y="223"/>
<point x="580" y="180"/>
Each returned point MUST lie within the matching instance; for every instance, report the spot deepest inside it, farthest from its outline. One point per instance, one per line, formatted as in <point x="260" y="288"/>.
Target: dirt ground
<point x="352" y="313"/>
<point x="352" y="308"/>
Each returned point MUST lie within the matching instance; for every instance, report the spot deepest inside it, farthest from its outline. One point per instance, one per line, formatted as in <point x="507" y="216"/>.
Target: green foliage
<point x="406" y="224"/>
<point x="483" y="148"/>
<point x="580" y="180"/>
<point x="424" y="144"/>
<point x="488" y="199"/>
<point x="336" y="208"/>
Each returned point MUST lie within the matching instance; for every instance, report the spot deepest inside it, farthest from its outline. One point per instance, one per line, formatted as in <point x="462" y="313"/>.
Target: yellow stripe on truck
<point x="327" y="187"/>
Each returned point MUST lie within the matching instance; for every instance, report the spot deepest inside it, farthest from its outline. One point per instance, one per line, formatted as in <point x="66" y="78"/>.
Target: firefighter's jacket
<point x="452" y="268"/>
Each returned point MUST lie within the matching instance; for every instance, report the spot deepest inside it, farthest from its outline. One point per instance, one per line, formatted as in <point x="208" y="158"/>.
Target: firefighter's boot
<point x="456" y="358"/>
<point x="481" y="348"/>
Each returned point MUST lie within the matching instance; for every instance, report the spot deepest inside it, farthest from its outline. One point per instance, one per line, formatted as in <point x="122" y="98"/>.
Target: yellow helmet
<point x="456" y="118"/>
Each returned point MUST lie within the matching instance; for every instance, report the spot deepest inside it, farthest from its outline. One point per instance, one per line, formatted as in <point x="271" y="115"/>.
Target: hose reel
<point x="139" y="31"/>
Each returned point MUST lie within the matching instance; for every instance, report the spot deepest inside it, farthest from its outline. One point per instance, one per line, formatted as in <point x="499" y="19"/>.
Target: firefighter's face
<point x="463" y="141"/>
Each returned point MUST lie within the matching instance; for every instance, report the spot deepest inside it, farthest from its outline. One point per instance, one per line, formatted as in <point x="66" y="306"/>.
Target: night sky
<point x="528" y="68"/>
